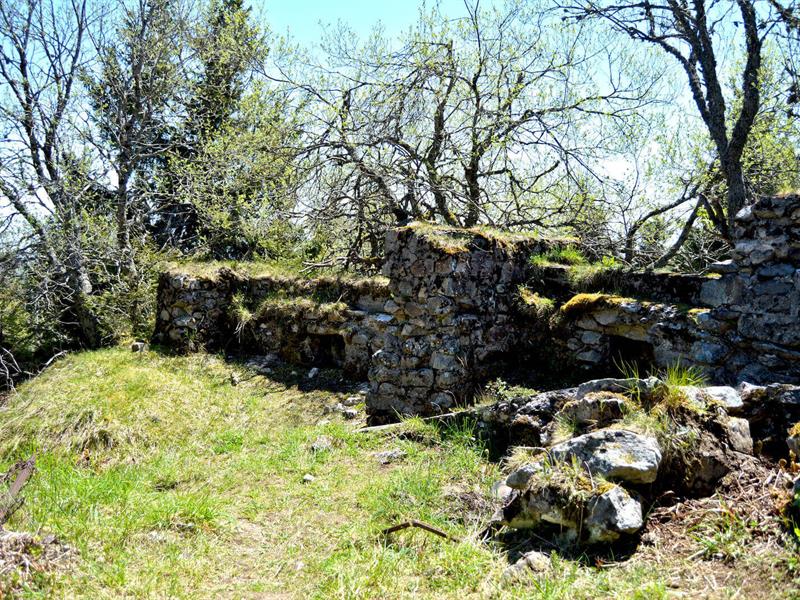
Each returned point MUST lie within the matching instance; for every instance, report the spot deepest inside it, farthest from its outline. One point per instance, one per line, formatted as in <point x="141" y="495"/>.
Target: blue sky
<point x="303" y="18"/>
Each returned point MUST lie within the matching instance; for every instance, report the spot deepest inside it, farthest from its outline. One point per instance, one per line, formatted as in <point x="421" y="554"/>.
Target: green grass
<point x="171" y="482"/>
<point x="535" y="305"/>
<point x="565" y="255"/>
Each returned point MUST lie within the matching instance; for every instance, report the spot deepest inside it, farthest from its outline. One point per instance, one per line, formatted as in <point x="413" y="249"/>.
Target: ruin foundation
<point x="453" y="311"/>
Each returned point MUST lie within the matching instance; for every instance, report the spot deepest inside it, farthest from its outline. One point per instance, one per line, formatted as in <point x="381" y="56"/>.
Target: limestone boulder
<point x="582" y="511"/>
<point x="727" y="397"/>
<point x="644" y="388"/>
<point x="520" y="478"/>
<point x="611" y="514"/>
<point x="614" y="454"/>
<point x="594" y="408"/>
<point x="530" y="562"/>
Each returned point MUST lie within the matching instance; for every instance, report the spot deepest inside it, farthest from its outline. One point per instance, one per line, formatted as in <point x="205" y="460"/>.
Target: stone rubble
<point x="591" y="487"/>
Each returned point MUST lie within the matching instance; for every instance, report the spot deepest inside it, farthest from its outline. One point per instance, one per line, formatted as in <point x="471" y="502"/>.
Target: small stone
<point x="352" y="401"/>
<point x="500" y="491"/>
<point x="308" y="478"/>
<point x="520" y="478"/>
<point x="727" y="396"/>
<point x="313" y="373"/>
<point x="612" y="513"/>
<point x="722" y="267"/>
<point x="139" y="347"/>
<point x="390" y="456"/>
<point x="322" y="444"/>
<point x="350" y="413"/>
<point x="533" y="561"/>
<point x="645" y="388"/>
<point x="793" y="442"/>
<point x="595" y="408"/>
<point x="234" y="379"/>
<point x="739" y="438"/>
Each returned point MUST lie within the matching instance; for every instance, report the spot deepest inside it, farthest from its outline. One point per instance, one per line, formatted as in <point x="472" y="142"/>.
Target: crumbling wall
<point x="452" y="316"/>
<point x="756" y="301"/>
<point x="742" y="325"/>
<point x="318" y="321"/>
<point x="604" y="331"/>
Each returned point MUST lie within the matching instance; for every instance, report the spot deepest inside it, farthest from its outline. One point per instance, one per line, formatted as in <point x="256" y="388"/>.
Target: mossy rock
<point x="581" y="304"/>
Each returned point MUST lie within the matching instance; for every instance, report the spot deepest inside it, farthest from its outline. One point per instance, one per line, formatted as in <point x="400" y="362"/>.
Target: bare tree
<point x="692" y="33"/>
<point x="492" y="118"/>
<point x="42" y="49"/>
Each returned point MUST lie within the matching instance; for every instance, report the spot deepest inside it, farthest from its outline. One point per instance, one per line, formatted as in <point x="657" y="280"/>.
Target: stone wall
<point x="756" y="301"/>
<point x="453" y="318"/>
<point x="309" y="322"/>
<point x="743" y="325"/>
<point x="454" y="311"/>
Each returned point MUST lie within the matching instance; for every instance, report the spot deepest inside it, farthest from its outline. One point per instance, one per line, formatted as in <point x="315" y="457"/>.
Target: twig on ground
<point x="16" y="478"/>
<point x="420" y="525"/>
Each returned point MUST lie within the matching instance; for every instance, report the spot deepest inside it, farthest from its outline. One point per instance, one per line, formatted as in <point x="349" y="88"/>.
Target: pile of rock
<point x="597" y="453"/>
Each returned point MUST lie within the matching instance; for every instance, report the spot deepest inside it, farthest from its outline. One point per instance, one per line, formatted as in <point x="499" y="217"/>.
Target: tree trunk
<point x="474" y="196"/>
<point x="737" y="192"/>
<point x="127" y="265"/>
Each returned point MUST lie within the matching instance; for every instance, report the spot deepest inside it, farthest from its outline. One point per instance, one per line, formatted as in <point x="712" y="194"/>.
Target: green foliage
<point x="16" y="331"/>
<point x="677" y="374"/>
<point x="723" y="536"/>
<point x="610" y="262"/>
<point x="239" y="182"/>
<point x="228" y="45"/>
<point x="499" y="390"/>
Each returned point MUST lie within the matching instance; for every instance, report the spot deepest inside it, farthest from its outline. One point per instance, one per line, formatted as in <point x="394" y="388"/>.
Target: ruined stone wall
<point x="452" y="316"/>
<point x="743" y="325"/>
<point x="756" y="301"/>
<point x="310" y="322"/>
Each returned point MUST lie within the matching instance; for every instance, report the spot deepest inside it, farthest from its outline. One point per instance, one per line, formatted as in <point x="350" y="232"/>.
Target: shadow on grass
<point x="306" y="378"/>
<point x="516" y="543"/>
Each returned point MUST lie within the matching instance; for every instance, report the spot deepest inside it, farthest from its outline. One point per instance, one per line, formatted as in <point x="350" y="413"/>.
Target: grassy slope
<point x="172" y="482"/>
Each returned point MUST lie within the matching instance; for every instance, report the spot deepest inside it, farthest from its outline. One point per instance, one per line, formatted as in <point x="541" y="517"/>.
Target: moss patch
<point x="456" y="240"/>
<point x="581" y="304"/>
<point x="534" y="305"/>
<point x="301" y="308"/>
